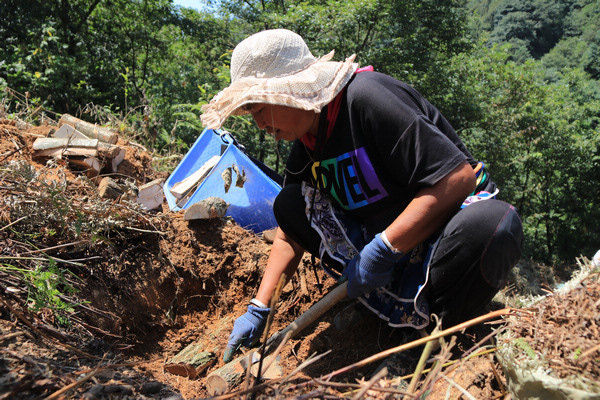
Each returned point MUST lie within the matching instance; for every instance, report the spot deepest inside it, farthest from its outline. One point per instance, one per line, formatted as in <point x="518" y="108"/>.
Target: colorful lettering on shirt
<point x="350" y="179"/>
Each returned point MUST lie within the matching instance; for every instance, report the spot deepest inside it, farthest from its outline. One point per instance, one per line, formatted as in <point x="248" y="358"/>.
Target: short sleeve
<point x="413" y="151"/>
<point x="424" y="153"/>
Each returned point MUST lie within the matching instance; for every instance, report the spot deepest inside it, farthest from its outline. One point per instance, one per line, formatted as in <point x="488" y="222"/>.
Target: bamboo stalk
<point x="419" y="342"/>
<point x="421" y="364"/>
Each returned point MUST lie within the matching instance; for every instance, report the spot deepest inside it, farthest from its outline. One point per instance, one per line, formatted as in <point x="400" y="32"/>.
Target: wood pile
<point x="93" y="149"/>
<point x="85" y="145"/>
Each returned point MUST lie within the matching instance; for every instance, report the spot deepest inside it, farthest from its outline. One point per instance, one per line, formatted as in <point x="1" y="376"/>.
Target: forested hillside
<point x="563" y="34"/>
<point x="518" y="80"/>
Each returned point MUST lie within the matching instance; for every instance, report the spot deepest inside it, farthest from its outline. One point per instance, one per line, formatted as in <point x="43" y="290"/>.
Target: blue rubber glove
<point x="372" y="267"/>
<point x="246" y="330"/>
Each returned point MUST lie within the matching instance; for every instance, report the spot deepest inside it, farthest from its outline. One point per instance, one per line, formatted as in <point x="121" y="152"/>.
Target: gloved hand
<point x="246" y="330"/>
<point x="372" y="267"/>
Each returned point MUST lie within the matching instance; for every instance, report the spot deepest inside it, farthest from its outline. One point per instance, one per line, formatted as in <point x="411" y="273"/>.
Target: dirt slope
<point x="149" y="283"/>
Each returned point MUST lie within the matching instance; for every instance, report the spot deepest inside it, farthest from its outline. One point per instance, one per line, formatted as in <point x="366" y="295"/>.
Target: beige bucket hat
<point x="276" y="67"/>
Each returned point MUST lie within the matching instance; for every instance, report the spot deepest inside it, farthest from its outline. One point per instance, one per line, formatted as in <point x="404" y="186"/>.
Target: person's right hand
<point x="246" y="330"/>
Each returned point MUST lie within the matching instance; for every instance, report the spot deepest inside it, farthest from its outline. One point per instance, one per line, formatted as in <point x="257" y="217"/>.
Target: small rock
<point x="151" y="387"/>
<point x="211" y="207"/>
<point x="346" y="319"/>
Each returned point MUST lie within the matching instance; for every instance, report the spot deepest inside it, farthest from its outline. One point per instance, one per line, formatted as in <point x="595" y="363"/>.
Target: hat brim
<point x="309" y="89"/>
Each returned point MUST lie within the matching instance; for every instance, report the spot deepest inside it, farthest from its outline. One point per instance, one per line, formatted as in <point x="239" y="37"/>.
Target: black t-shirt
<point x="388" y="142"/>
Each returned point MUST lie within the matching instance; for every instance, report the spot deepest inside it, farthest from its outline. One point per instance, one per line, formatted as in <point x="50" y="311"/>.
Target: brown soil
<point x="153" y="283"/>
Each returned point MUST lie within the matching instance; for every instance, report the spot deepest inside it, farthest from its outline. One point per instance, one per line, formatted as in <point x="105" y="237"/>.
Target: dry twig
<point x="382" y="372"/>
<point x="418" y="342"/>
<point x="75" y="384"/>
<point x="458" y="387"/>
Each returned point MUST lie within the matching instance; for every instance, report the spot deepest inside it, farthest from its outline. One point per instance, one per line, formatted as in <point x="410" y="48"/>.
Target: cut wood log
<point x="71" y="146"/>
<point x="227" y="377"/>
<point x="57" y="143"/>
<point x="107" y="150"/>
<point x="67" y="131"/>
<point x="181" y="189"/>
<point x="211" y="207"/>
<point x="109" y="189"/>
<point x="274" y="371"/>
<point x="63" y="152"/>
<point x="191" y="361"/>
<point x="150" y="195"/>
<point x="91" y="165"/>
<point x="89" y="129"/>
<point x="118" y="159"/>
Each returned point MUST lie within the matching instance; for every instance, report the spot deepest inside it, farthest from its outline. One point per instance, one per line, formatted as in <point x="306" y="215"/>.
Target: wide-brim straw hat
<point x="276" y="67"/>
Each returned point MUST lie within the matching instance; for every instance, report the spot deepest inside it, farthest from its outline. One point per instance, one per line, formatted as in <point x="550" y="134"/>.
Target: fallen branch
<point x="41" y="334"/>
<point x="10" y="336"/>
<point x="265" y="338"/>
<point x="75" y="384"/>
<point x="10" y="153"/>
<point x="12" y="223"/>
<point x="590" y="351"/>
<point x="55" y="247"/>
<point x="496" y="374"/>
<point x="396" y="381"/>
<point x="357" y="386"/>
<point x="144" y="230"/>
<point x="42" y="259"/>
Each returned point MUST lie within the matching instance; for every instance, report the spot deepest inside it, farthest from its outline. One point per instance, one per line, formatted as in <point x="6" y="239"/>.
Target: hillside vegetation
<point x="518" y="80"/>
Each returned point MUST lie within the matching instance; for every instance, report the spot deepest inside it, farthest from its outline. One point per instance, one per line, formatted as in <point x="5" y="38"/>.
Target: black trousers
<point x="477" y="248"/>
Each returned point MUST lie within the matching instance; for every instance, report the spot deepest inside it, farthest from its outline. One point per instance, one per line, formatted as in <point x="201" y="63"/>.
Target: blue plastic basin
<point x="251" y="206"/>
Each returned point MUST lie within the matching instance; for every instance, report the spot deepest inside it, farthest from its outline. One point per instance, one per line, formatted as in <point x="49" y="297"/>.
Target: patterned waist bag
<point x="401" y="303"/>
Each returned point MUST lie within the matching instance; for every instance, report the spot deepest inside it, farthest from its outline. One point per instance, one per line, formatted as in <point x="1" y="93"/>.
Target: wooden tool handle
<point x="230" y="375"/>
<point x="319" y="308"/>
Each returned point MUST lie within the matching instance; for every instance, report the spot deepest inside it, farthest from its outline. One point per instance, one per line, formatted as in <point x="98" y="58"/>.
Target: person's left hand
<point x="372" y="267"/>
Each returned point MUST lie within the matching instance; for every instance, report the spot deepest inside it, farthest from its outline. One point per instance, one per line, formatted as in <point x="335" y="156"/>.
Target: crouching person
<point x="377" y="184"/>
